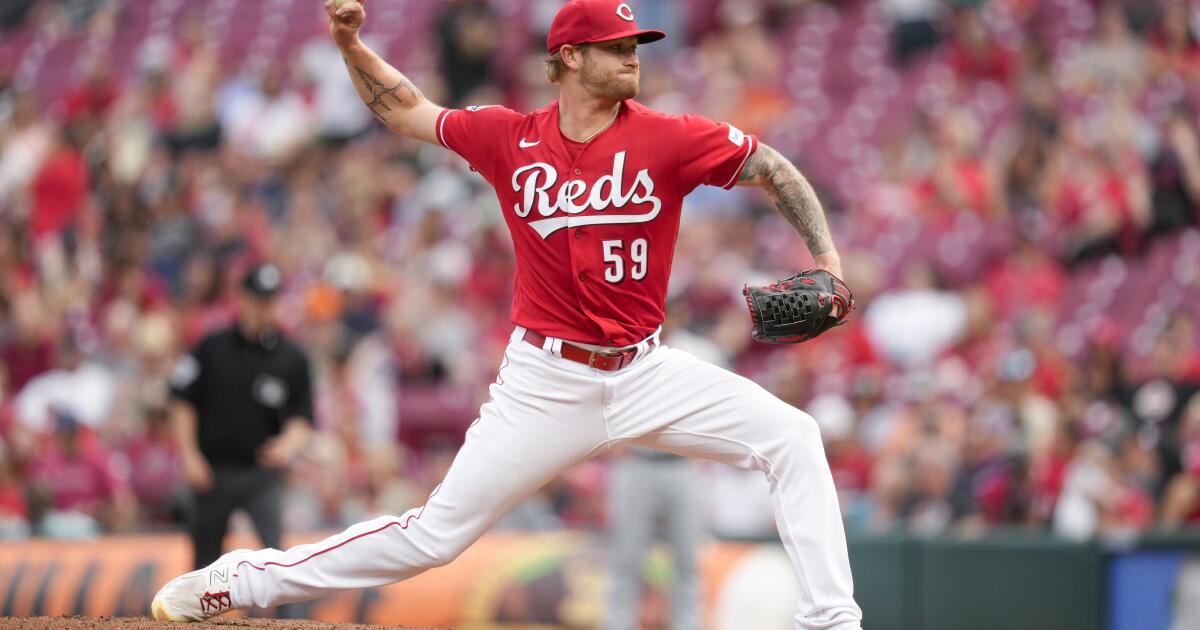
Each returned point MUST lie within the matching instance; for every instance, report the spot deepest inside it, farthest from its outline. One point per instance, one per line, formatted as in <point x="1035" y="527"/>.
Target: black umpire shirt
<point x="243" y="391"/>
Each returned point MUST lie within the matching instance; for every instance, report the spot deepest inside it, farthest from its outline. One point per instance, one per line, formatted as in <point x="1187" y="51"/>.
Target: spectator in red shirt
<point x="985" y="485"/>
<point x="161" y="103"/>
<point x="1048" y="470"/>
<point x="152" y="454"/>
<point x="1027" y="277"/>
<point x="73" y="476"/>
<point x="1100" y="198"/>
<point x="60" y="188"/>
<point x="959" y="180"/>
<point x="27" y="352"/>
<point x="129" y="281"/>
<point x="92" y="99"/>
<point x="975" y="54"/>
<point x="203" y="305"/>
<point x="849" y="463"/>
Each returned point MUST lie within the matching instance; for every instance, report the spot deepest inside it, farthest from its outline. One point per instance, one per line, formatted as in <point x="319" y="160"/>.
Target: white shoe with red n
<point x="199" y="595"/>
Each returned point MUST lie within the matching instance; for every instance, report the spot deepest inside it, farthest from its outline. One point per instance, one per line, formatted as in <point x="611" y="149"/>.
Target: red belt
<point x="607" y="361"/>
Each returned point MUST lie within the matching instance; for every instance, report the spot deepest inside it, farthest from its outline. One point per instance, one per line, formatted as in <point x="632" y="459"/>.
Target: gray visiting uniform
<point x="649" y="488"/>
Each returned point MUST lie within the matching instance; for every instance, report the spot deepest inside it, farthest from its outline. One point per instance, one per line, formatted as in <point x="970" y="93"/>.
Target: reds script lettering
<point x="541" y="177"/>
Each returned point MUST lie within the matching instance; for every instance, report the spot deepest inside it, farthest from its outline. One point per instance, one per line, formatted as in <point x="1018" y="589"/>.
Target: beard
<point x="608" y="85"/>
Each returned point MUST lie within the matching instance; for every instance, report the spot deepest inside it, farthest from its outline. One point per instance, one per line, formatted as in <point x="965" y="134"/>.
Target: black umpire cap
<point x="263" y="280"/>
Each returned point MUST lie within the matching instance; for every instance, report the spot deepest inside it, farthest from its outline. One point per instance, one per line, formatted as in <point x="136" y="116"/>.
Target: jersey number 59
<point x="614" y="272"/>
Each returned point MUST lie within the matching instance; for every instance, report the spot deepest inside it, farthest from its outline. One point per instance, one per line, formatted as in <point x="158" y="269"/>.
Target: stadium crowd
<point x="1014" y="362"/>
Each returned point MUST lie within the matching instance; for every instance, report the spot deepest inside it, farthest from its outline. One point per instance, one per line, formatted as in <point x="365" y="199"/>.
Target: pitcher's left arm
<point x="796" y="200"/>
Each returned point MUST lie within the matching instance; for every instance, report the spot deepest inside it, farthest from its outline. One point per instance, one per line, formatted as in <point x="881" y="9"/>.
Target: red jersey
<point x="594" y="225"/>
<point x="80" y="481"/>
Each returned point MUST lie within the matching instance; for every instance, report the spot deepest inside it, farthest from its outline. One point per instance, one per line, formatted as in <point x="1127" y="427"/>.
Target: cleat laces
<point x="215" y="602"/>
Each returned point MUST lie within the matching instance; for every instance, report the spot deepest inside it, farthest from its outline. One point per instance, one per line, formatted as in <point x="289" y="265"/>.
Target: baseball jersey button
<point x="579" y="233"/>
<point x="578" y="171"/>
<point x="583" y="275"/>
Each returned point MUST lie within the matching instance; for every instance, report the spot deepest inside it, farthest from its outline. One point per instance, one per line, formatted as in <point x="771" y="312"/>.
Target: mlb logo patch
<point x="270" y="390"/>
<point x="735" y="135"/>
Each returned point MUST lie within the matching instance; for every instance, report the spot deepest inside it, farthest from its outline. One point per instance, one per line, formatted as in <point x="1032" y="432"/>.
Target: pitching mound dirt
<point x="140" y="623"/>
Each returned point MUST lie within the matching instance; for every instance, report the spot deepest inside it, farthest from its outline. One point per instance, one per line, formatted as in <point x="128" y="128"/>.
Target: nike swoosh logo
<point x="525" y="145"/>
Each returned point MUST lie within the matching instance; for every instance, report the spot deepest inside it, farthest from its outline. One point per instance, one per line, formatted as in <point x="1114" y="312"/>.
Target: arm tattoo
<point x="757" y="166"/>
<point x="794" y="197"/>
<point x="378" y="90"/>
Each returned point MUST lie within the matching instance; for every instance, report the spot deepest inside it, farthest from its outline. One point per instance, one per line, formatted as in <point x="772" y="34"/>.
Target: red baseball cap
<point x="587" y="21"/>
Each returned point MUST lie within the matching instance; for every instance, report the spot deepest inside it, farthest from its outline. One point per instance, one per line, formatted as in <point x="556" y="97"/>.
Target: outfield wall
<point x="552" y="580"/>
<point x="548" y="580"/>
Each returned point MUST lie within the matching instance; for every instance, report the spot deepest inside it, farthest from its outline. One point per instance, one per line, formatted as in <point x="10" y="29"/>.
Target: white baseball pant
<point x="547" y="413"/>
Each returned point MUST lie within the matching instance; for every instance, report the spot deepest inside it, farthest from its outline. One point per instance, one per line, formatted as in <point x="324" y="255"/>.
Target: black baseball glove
<point x="798" y="308"/>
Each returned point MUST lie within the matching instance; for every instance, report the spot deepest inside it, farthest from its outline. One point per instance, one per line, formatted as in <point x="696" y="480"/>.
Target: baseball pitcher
<point x="591" y="187"/>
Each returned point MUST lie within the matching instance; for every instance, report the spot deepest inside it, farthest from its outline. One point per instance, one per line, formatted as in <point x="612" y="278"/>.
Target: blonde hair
<point x="555" y="64"/>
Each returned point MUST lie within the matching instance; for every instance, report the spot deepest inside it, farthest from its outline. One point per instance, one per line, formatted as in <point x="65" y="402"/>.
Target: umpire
<point x="241" y="412"/>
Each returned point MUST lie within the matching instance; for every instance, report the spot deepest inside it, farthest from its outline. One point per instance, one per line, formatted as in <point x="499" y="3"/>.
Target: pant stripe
<point x="403" y="525"/>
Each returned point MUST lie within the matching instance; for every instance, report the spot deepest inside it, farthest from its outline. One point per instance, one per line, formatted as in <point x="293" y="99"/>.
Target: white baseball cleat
<point x="198" y="595"/>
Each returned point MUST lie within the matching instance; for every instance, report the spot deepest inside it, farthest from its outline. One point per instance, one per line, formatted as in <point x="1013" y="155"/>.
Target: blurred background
<point x="1014" y="186"/>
